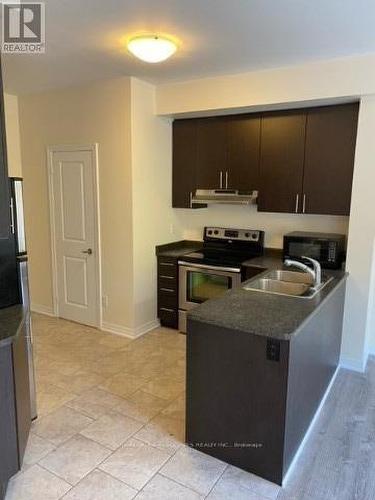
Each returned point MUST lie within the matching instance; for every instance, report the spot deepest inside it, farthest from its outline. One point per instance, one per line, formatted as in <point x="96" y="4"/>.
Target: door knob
<point x="88" y="251"/>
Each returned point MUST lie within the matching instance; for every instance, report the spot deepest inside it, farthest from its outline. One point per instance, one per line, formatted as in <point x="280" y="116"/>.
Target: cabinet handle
<point x="169" y="264"/>
<point x="304" y="204"/>
<point x="226" y="179"/>
<point x="297" y="202"/>
<point x="167" y="277"/>
<point x="166" y="309"/>
<point x="12" y="219"/>
<point x="221" y="179"/>
<point x="169" y="290"/>
<point x="191" y="199"/>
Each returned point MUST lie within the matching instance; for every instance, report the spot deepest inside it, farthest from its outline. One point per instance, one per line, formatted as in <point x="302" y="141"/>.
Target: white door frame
<point x="93" y="149"/>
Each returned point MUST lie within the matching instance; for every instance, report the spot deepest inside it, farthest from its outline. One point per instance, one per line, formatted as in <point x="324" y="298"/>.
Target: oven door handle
<point x="211" y="268"/>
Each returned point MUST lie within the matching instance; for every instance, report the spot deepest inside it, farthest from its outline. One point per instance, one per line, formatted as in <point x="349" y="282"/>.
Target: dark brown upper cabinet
<point x="214" y="153"/>
<point x="281" y="161"/>
<point x="184" y="162"/>
<point x="243" y="142"/>
<point x="4" y="182"/>
<point x="329" y="159"/>
<point x="9" y="293"/>
<point x="300" y="161"/>
<point x="211" y="153"/>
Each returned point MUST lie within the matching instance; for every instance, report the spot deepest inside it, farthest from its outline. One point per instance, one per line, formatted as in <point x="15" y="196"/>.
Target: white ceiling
<point x="83" y="38"/>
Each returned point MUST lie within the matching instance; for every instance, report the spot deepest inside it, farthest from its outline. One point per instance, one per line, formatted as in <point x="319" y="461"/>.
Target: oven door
<point x="198" y="283"/>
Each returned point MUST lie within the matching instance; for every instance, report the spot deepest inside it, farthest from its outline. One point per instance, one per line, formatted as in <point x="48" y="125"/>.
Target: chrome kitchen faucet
<point x="316" y="273"/>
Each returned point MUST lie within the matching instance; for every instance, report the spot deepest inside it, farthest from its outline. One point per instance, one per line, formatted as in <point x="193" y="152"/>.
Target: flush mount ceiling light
<point x="152" y="48"/>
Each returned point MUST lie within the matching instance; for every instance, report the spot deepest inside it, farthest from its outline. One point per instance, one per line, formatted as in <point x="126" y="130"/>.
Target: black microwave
<point x="328" y="249"/>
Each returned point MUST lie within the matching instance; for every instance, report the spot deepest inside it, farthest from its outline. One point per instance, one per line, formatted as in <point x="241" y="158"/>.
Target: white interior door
<point x="75" y="228"/>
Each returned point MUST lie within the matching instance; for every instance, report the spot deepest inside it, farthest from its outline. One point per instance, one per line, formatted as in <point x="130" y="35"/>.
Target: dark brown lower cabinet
<point x="21" y="391"/>
<point x="9" y="464"/>
<point x="168" y="291"/>
<point x="15" y="412"/>
<point x="250" y="399"/>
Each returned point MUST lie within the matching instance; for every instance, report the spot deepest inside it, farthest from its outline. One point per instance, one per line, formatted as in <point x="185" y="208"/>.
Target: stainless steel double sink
<point x="289" y="283"/>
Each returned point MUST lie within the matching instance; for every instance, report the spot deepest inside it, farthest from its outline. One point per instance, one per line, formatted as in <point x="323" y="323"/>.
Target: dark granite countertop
<point x="271" y="259"/>
<point x="11" y="320"/>
<point x="178" y="248"/>
<point x="265" y="314"/>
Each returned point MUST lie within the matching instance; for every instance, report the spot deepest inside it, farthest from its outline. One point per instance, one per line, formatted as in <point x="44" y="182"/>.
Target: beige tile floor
<point x="111" y="427"/>
<point x="111" y="422"/>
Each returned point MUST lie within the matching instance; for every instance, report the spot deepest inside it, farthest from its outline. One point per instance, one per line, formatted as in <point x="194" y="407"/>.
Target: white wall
<point x="190" y="223"/>
<point x="325" y="81"/>
<point x="84" y="115"/>
<point x="357" y="324"/>
<point x="370" y="347"/>
<point x="13" y="135"/>
<point x="135" y="189"/>
<point x="152" y="214"/>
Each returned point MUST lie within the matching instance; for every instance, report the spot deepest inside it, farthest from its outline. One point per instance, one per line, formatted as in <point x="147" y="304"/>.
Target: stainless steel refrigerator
<point x="18" y="229"/>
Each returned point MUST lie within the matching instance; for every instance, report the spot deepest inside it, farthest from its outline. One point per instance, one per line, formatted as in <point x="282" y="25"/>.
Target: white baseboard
<point x="130" y="333"/>
<point x="41" y="309"/>
<point x="308" y="432"/>
<point x="146" y="327"/>
<point x="354" y="364"/>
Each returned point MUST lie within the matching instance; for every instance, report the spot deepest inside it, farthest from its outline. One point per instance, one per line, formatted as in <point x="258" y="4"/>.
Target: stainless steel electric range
<point x="217" y="267"/>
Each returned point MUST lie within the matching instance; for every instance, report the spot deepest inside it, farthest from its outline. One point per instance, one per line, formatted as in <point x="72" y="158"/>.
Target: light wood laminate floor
<point x="111" y="426"/>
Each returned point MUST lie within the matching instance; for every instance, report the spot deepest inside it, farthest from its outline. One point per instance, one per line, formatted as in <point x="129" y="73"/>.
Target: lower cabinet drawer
<point x="167" y="283"/>
<point x="168" y="291"/>
<point x="167" y="269"/>
<point x="167" y="288"/>
<point x="168" y="317"/>
<point x="168" y="300"/>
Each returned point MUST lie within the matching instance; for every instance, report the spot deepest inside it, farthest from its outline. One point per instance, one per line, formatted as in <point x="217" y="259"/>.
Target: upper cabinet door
<point x="281" y="161"/>
<point x="329" y="159"/>
<point x="4" y="181"/>
<point x="184" y="162"/>
<point x="211" y="153"/>
<point x="243" y="141"/>
<point x="9" y="292"/>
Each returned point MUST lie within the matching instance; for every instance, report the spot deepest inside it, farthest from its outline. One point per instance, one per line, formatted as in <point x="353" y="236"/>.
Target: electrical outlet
<point x="105" y="301"/>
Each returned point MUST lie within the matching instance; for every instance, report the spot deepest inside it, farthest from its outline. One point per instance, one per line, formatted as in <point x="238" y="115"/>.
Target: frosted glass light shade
<point x="151" y="49"/>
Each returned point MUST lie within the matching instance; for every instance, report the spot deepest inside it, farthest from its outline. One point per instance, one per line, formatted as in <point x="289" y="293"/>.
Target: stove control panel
<point x="220" y="233"/>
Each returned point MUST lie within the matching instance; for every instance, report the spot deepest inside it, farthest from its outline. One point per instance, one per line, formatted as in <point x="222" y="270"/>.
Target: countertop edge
<point x="340" y="282"/>
<point x="16" y="326"/>
<point x="284" y="336"/>
<point x="176" y="245"/>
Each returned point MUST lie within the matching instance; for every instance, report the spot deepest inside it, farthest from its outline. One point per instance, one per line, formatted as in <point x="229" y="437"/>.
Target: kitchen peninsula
<point x="258" y="366"/>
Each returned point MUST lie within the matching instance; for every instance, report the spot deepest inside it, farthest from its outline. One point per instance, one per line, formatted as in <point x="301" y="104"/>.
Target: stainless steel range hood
<point x="205" y="197"/>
